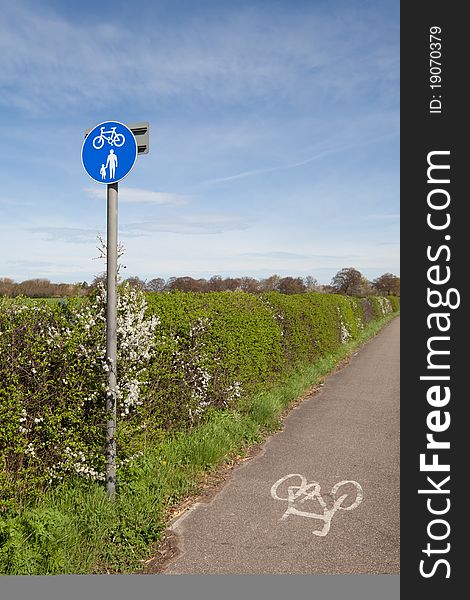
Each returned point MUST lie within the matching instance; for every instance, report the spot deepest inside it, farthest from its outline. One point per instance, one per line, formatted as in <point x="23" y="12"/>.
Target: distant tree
<point x="7" y="286"/>
<point x="249" y="284"/>
<point x="135" y="283"/>
<point x="80" y="288"/>
<point x="387" y="284"/>
<point x="169" y="284"/>
<point x="231" y="283"/>
<point x="36" y="288"/>
<point x="97" y="280"/>
<point x="292" y="285"/>
<point x="216" y="284"/>
<point x="311" y="284"/>
<point x="66" y="290"/>
<point x="155" y="285"/>
<point x="183" y="284"/>
<point x="365" y="288"/>
<point x="270" y="284"/>
<point x="348" y="281"/>
<point x="201" y="285"/>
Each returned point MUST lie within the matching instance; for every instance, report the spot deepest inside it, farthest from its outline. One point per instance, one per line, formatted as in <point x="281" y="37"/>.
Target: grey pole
<point x="111" y="338"/>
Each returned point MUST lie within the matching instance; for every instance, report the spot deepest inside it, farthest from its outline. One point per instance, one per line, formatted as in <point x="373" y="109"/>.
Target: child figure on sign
<point x="103" y="172"/>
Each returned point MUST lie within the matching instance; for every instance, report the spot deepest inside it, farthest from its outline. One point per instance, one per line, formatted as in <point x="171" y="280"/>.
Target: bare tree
<point x="348" y="281"/>
<point x="7" y="286"/>
<point x="365" y="288"/>
<point x="36" y="288"/>
<point x="155" y="285"/>
<point x="387" y="284"/>
<point x="216" y="284"/>
<point x="292" y="285"/>
<point x="97" y="280"/>
<point x="270" y="284"/>
<point x="311" y="284"/>
<point x="135" y="283"/>
<point x="249" y="284"/>
<point x="183" y="284"/>
<point x="201" y="285"/>
<point x="231" y="283"/>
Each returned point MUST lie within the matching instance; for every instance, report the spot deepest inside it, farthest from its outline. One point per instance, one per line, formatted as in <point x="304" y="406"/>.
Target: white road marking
<point x="298" y="494"/>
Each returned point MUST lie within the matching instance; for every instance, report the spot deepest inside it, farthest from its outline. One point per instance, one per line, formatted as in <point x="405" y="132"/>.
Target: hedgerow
<point x="179" y="355"/>
<point x="53" y="385"/>
<point x="395" y="301"/>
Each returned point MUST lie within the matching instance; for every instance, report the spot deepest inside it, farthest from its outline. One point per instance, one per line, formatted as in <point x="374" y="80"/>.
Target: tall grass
<point x="76" y="529"/>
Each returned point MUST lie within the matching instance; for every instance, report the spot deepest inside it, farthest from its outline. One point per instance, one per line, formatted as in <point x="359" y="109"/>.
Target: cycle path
<point x="260" y="522"/>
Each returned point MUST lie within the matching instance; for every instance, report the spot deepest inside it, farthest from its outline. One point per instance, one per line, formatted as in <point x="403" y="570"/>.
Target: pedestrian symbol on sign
<point x="101" y="161"/>
<point x="112" y="162"/>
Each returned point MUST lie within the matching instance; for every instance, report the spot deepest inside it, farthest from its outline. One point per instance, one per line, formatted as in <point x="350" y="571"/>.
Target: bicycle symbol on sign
<point x="113" y="138"/>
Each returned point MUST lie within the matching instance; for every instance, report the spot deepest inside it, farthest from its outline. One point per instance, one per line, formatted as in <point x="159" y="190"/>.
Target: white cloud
<point x="141" y="196"/>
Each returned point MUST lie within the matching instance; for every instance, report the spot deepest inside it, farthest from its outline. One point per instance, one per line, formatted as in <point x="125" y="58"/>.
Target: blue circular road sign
<point x="109" y="152"/>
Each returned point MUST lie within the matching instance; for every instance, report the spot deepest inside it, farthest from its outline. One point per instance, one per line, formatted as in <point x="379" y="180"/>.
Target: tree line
<point x="348" y="281"/>
<point x="41" y="288"/>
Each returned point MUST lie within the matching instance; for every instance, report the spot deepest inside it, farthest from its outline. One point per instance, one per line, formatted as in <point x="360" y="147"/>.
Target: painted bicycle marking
<point x="297" y="495"/>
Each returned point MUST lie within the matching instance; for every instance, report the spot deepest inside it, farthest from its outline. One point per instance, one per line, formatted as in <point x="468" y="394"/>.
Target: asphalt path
<point x="288" y="510"/>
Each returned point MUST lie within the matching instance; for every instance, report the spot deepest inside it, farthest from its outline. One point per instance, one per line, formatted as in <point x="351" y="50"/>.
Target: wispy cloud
<point x="262" y="171"/>
<point x="14" y="202"/>
<point x="193" y="224"/>
<point x="299" y="163"/>
<point x="383" y="217"/>
<point x="295" y="261"/>
<point x="34" y="264"/>
<point x="86" y="64"/>
<point x="73" y="235"/>
<point x="141" y="196"/>
<point x="274" y="255"/>
<point x="183" y="224"/>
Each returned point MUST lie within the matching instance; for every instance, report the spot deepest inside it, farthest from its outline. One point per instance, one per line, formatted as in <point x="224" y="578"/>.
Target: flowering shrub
<point x="344" y="334"/>
<point x="381" y="306"/>
<point x="200" y="385"/>
<point x="385" y="305"/>
<point x="53" y="385"/>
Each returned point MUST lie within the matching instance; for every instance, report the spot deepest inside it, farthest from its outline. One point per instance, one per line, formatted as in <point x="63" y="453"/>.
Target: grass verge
<point x="75" y="529"/>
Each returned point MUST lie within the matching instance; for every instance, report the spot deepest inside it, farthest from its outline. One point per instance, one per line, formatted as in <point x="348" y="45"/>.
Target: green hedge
<point x="210" y="350"/>
<point x="243" y="340"/>
<point x="395" y="303"/>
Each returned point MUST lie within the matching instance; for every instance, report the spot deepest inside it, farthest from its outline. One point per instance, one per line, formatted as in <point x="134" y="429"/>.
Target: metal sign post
<point x="111" y="336"/>
<point x="109" y="153"/>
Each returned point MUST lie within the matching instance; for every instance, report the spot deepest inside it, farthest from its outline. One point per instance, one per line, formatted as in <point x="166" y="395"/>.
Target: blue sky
<point x="274" y="136"/>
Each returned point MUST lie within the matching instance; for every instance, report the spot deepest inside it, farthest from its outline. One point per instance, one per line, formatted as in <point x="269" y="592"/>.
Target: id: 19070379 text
<point x="435" y="69"/>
